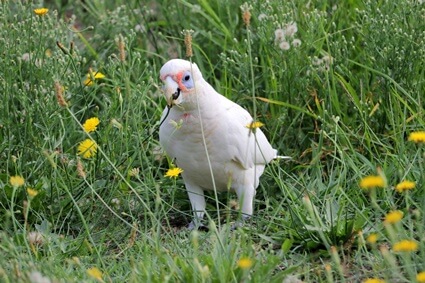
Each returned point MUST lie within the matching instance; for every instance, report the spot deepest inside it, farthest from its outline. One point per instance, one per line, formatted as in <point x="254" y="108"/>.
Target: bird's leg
<point x="246" y="196"/>
<point x="197" y="201"/>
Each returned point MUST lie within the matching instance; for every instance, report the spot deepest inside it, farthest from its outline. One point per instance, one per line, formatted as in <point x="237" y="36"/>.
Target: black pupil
<point x="187" y="77"/>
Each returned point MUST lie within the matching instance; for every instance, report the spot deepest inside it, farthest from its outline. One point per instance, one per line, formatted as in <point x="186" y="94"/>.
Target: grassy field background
<point x="339" y="85"/>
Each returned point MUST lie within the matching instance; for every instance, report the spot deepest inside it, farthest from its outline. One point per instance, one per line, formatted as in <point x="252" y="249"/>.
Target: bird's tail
<point x="282" y="157"/>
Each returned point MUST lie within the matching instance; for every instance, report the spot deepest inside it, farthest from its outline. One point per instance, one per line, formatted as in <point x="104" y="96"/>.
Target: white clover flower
<point x="284" y="45"/>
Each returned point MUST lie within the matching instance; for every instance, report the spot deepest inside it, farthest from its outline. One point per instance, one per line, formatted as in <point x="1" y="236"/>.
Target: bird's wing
<point x="245" y="146"/>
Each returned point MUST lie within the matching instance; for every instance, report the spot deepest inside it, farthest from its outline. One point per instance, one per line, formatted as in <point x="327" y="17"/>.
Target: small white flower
<point x="296" y="42"/>
<point x="262" y="16"/>
<point x="25" y="57"/>
<point x="291" y="29"/>
<point x="35" y="238"/>
<point x="37" y="277"/>
<point x="327" y="59"/>
<point x="284" y="45"/>
<point x="316" y="61"/>
<point x="139" y="28"/>
<point x="116" y="202"/>
<point x="196" y="9"/>
<point x="279" y="35"/>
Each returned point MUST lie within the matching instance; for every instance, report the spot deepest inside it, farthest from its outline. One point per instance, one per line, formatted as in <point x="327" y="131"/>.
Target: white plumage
<point x="237" y="154"/>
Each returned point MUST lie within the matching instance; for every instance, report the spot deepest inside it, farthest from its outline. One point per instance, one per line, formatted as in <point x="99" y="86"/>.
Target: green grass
<point x="342" y="104"/>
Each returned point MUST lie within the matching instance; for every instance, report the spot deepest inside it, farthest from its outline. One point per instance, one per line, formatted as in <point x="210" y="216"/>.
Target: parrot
<point x="211" y="139"/>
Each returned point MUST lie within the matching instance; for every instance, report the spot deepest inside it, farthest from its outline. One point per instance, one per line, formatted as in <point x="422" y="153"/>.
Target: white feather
<point x="238" y="154"/>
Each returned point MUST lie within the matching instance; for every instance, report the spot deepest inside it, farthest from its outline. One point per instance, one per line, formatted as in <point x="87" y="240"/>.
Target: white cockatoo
<point x="200" y="117"/>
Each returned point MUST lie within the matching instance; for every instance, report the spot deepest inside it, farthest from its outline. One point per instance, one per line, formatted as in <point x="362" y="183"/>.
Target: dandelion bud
<point x="59" y="95"/>
<point x="116" y="124"/>
<point x="80" y="169"/>
<point x="188" y="42"/>
<point x="134" y="172"/>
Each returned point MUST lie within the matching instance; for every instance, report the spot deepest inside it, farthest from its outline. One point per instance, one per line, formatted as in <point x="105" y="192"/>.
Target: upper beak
<point x="171" y="91"/>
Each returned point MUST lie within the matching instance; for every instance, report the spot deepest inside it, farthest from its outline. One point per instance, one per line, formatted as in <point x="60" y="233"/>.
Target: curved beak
<point x="171" y="90"/>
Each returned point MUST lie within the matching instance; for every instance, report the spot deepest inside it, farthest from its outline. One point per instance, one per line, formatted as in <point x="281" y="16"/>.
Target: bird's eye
<point x="186" y="78"/>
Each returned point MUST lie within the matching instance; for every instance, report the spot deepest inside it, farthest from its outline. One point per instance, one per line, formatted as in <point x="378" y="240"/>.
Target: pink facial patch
<point x="178" y="79"/>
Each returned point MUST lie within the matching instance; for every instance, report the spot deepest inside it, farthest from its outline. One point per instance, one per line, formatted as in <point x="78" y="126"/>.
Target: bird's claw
<point x="239" y="223"/>
<point x="195" y="225"/>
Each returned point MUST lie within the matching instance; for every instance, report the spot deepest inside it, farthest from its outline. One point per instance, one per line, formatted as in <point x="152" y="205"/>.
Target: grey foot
<point x="240" y="223"/>
<point x="197" y="225"/>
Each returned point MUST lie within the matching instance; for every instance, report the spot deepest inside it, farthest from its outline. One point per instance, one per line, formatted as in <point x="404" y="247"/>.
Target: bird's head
<point x="179" y="78"/>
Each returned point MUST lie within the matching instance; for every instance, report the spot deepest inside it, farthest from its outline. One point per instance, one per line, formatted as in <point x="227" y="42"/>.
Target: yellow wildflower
<point x="374" y="280"/>
<point x="17" y="181"/>
<point x="173" y="172"/>
<point x="245" y="263"/>
<point x="41" y="11"/>
<point x="87" y="148"/>
<point x="372" y="238"/>
<point x="405" y="186"/>
<point x="417" y="137"/>
<point x="328" y="267"/>
<point x="95" y="75"/>
<point x="95" y="273"/>
<point x="254" y="125"/>
<point x="31" y="192"/>
<point x="91" y="124"/>
<point x="393" y="217"/>
<point x="420" y="277"/>
<point x="370" y="182"/>
<point x="405" y="246"/>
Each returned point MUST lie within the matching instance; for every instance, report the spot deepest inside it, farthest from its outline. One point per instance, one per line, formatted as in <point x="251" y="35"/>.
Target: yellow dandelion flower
<point x="406" y="246"/>
<point x="417" y="137"/>
<point x="91" y="124"/>
<point x="31" y="192"/>
<point x="370" y="182"/>
<point x="96" y="75"/>
<point x="17" y="181"/>
<point x="374" y="280"/>
<point x="328" y="267"/>
<point x="41" y="11"/>
<point x="173" y="172"/>
<point x="393" y="217"/>
<point x="254" y="125"/>
<point x="420" y="277"/>
<point x="405" y="186"/>
<point x="372" y="238"/>
<point x="245" y="263"/>
<point x="87" y="148"/>
<point x="95" y="273"/>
